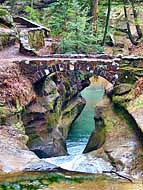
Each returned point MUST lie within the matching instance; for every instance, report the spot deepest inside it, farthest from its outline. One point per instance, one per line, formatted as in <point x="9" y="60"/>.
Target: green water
<point x="78" y="137"/>
<point x="84" y="125"/>
<point x="64" y="181"/>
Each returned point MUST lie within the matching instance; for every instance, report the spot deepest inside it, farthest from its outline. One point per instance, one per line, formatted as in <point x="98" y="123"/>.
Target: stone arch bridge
<point x="47" y="85"/>
<point x="100" y="65"/>
<point x="58" y="82"/>
<point x="35" y="41"/>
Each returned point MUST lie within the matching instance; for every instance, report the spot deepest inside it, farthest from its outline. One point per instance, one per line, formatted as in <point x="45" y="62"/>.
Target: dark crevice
<point x="130" y="121"/>
<point x="38" y="86"/>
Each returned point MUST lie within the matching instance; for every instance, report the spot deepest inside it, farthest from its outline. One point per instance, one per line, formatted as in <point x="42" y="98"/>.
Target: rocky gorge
<point x="40" y="98"/>
<point x="38" y="110"/>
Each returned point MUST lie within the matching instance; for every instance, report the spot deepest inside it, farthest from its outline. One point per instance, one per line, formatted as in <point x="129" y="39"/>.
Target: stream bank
<point x="61" y="181"/>
<point x="37" y="111"/>
<point x="118" y="148"/>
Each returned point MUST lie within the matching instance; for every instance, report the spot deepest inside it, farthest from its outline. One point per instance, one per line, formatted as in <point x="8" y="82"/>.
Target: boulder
<point x="8" y="34"/>
<point x="122" y="89"/>
<point x="47" y="121"/>
<point x="135" y="108"/>
<point x="122" y="146"/>
<point x="97" y="137"/>
<point x="14" y="152"/>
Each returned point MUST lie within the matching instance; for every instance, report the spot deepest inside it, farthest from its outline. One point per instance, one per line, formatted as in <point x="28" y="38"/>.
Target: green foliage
<point x="3" y="12"/>
<point x="70" y="21"/>
<point x="32" y="14"/>
<point x="18" y="108"/>
<point x="43" y="180"/>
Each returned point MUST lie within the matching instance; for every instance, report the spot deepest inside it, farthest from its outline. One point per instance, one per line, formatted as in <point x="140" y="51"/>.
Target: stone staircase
<point x="34" y="38"/>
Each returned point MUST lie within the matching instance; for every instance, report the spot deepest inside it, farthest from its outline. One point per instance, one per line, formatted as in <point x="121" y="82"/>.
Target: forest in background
<point x="81" y="26"/>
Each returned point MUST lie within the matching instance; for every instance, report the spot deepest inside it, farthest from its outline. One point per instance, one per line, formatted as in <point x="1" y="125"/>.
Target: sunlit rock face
<point x="14" y="154"/>
<point x="128" y="104"/>
<point x="130" y="97"/>
<point x="7" y="29"/>
<point x="15" y="93"/>
<point x="116" y="139"/>
<point x="35" y="117"/>
<point x="100" y="81"/>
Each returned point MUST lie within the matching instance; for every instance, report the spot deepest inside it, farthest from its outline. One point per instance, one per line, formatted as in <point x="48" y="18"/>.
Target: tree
<point x="70" y="22"/>
<point x="107" y="22"/>
<point x="128" y="25"/>
<point x="95" y="14"/>
<point x="139" y="32"/>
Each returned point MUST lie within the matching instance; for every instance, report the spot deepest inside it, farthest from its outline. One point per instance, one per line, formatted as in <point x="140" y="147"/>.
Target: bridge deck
<point x="12" y="54"/>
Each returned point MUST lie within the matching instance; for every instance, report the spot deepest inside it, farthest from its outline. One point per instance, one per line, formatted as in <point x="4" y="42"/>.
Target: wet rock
<point x="123" y="144"/>
<point x="135" y="108"/>
<point x="97" y="138"/>
<point x="122" y="89"/>
<point x="14" y="154"/>
<point x="131" y="100"/>
<point x="48" y="120"/>
<point x="42" y="165"/>
<point x="81" y="163"/>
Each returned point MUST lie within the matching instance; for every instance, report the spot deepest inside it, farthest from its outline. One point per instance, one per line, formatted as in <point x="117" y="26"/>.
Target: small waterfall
<point x="84" y="125"/>
<point x="81" y="163"/>
<point x="78" y="138"/>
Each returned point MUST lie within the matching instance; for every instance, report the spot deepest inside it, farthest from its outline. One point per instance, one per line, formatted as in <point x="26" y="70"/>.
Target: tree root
<point x="121" y="176"/>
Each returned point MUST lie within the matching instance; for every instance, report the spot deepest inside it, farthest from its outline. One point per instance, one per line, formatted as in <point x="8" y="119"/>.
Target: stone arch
<point x="101" y="81"/>
<point x="108" y="72"/>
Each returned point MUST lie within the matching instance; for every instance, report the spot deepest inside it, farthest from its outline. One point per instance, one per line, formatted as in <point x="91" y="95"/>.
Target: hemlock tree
<point x="70" y="21"/>
<point x="133" y="41"/>
<point x="95" y="14"/>
<point x="135" y="14"/>
<point x="107" y="22"/>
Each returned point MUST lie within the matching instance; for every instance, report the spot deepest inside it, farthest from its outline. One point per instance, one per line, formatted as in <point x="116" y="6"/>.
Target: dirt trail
<point x="12" y="54"/>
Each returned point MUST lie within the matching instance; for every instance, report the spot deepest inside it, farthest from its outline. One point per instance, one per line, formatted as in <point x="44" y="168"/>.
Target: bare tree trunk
<point x="95" y="14"/>
<point x="128" y="25"/>
<point x="107" y="22"/>
<point x="31" y="5"/>
<point x="139" y="32"/>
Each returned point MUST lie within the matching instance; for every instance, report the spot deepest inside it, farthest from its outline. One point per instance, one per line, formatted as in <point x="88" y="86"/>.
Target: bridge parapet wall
<point x="36" y="70"/>
<point x="131" y="68"/>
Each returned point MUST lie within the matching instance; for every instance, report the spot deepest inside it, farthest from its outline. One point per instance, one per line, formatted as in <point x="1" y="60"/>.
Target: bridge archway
<point x="108" y="71"/>
<point x="68" y="78"/>
<point x="100" y="81"/>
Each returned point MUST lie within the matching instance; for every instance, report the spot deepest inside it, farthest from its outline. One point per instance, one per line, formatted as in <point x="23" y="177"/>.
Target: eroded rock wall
<point x="8" y="32"/>
<point x="43" y="112"/>
<point x="49" y="117"/>
<point x="116" y="139"/>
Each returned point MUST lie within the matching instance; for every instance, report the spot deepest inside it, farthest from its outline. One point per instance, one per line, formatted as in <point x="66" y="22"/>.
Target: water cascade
<point x="79" y="135"/>
<point x="84" y="125"/>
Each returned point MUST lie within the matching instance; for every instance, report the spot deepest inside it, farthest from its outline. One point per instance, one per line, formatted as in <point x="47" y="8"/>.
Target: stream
<point x="79" y="135"/>
<point x="84" y="125"/>
<point x="75" y="161"/>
